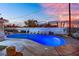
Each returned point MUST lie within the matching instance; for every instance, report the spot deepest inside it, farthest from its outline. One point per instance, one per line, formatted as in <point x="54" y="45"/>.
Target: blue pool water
<point x="48" y="40"/>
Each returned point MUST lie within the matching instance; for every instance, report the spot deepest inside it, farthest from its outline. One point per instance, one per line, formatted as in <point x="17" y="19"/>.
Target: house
<point x="2" y="20"/>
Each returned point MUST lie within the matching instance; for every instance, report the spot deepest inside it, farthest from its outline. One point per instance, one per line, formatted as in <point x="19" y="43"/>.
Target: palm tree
<point x="31" y="23"/>
<point x="69" y="20"/>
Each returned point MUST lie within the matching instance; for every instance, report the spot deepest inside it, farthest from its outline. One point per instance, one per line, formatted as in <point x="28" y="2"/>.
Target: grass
<point x="29" y="42"/>
<point x="62" y="35"/>
<point x="65" y="36"/>
<point x="2" y="47"/>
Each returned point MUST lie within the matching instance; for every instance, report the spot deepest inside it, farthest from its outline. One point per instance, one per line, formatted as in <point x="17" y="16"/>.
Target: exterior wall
<point x="55" y="30"/>
<point x="1" y="32"/>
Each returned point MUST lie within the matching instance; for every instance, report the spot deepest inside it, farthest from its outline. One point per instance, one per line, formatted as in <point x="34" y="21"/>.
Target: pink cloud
<point x="55" y="5"/>
<point x="59" y="9"/>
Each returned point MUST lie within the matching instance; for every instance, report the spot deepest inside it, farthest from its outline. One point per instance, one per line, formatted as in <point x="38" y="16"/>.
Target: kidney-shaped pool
<point x="48" y="40"/>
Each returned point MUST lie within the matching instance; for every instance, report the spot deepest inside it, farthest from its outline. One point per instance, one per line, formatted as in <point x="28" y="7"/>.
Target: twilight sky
<point x="18" y="12"/>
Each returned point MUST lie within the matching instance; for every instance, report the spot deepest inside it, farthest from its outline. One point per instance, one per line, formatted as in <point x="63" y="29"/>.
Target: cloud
<point x="55" y="5"/>
<point x="60" y="10"/>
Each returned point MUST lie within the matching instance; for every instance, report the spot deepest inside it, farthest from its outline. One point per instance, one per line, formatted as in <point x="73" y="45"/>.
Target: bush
<point x="75" y="35"/>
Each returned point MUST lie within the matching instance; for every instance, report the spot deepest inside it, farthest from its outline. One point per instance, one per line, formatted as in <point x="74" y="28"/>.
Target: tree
<point x="69" y="20"/>
<point x="31" y="23"/>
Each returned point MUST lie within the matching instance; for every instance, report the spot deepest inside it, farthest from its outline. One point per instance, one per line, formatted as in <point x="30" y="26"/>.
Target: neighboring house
<point x="64" y="24"/>
<point x="2" y="28"/>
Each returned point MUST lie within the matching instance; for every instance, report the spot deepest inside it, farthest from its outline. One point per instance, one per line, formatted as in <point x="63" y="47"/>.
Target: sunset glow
<point x="40" y="12"/>
<point x="61" y="10"/>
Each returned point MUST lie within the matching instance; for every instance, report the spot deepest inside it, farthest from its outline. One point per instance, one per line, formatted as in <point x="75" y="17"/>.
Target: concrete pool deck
<point x="31" y="48"/>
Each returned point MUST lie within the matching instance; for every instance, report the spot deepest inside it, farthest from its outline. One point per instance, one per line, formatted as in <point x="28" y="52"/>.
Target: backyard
<point x="39" y="29"/>
<point x="31" y="48"/>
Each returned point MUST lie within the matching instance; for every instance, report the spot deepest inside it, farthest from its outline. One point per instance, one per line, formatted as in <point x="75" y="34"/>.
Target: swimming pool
<point x="48" y="40"/>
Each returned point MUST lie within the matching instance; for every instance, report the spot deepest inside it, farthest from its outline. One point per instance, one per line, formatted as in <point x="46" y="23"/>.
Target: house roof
<point x="2" y="20"/>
